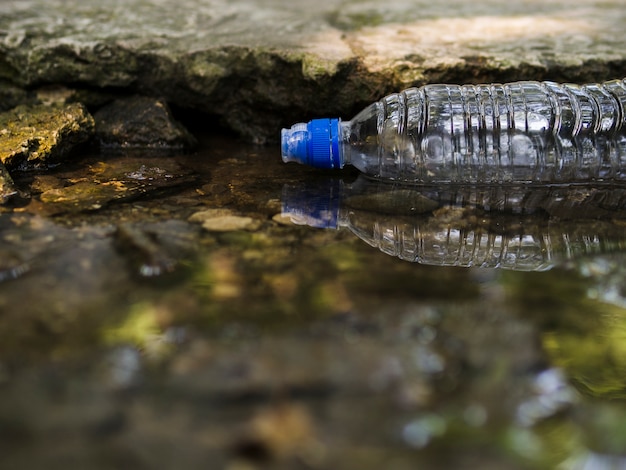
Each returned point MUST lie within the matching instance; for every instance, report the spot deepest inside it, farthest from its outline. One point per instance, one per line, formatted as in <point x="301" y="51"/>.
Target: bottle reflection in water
<point x="524" y="228"/>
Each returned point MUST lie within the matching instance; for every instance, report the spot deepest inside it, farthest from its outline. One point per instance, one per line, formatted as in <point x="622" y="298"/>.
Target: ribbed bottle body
<point x="518" y="132"/>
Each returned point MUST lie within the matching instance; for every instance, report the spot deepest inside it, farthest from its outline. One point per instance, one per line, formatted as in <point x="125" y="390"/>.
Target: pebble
<point x="282" y="219"/>
<point x="223" y="220"/>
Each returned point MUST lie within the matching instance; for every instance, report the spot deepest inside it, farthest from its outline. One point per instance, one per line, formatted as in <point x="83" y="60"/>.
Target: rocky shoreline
<point x="258" y="66"/>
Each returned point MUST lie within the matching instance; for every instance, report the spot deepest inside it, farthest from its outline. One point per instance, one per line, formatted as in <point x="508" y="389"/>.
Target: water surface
<point x="167" y="312"/>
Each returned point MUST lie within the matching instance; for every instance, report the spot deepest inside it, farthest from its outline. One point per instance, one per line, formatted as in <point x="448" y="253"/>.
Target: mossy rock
<point x="34" y="136"/>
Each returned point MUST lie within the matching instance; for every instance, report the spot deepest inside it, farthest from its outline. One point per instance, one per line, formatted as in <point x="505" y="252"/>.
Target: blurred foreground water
<point x="167" y="312"/>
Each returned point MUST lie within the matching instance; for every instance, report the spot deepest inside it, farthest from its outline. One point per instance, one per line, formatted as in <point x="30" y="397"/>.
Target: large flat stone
<point x="263" y="64"/>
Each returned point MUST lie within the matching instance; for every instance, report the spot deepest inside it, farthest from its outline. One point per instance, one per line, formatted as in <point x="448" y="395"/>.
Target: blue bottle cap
<point x="315" y="144"/>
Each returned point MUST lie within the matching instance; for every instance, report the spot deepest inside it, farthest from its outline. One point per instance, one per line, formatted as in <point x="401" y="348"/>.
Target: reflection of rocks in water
<point x="86" y="270"/>
<point x="585" y="330"/>
<point x="155" y="249"/>
<point x="38" y="136"/>
<point x="513" y="227"/>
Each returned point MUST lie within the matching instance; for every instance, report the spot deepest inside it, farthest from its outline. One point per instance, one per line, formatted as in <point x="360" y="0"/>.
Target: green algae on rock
<point x="33" y="136"/>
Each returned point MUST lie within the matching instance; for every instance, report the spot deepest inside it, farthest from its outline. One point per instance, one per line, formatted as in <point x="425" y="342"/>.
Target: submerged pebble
<point x="279" y="432"/>
<point x="221" y="220"/>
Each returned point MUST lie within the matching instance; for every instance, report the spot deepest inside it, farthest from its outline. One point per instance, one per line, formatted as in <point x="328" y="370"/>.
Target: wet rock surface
<point x="106" y="182"/>
<point x="40" y="135"/>
<point x="221" y="220"/>
<point x="7" y="186"/>
<point x="262" y="65"/>
<point x="140" y="123"/>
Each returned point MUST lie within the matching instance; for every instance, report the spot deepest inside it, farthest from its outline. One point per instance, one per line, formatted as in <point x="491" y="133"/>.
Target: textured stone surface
<point x="263" y="64"/>
<point x="140" y="122"/>
<point x="221" y="220"/>
<point x="106" y="182"/>
<point x="36" y="135"/>
<point x="7" y="186"/>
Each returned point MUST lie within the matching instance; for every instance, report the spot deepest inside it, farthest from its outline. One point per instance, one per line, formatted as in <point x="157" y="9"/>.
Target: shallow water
<point x="167" y="312"/>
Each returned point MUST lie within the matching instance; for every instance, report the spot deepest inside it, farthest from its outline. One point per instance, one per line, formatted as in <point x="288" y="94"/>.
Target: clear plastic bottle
<point x="476" y="133"/>
<point x="514" y="227"/>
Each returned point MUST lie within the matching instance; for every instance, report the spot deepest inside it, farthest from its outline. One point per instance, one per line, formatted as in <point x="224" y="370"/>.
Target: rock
<point x="33" y="136"/>
<point x="7" y="187"/>
<point x="221" y="220"/>
<point x="278" y="432"/>
<point x="117" y="179"/>
<point x="262" y="65"/>
<point x="140" y="122"/>
<point x="282" y="219"/>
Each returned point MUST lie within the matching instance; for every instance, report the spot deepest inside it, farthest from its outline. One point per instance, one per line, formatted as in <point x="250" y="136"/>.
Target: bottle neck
<point x="345" y="151"/>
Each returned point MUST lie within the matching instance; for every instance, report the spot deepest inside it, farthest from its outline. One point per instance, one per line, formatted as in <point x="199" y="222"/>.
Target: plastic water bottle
<point x="429" y="225"/>
<point x="476" y="133"/>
